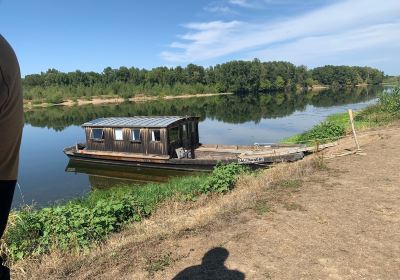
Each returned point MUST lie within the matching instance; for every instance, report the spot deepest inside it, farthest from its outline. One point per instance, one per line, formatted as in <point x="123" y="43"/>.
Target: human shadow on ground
<point x="212" y="267"/>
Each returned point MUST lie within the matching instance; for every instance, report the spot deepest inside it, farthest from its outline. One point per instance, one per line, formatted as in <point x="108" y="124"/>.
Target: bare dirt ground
<point x="344" y="223"/>
<point x="338" y="220"/>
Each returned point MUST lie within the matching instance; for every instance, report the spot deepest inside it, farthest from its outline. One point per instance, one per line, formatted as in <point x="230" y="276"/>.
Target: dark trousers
<point x="6" y="195"/>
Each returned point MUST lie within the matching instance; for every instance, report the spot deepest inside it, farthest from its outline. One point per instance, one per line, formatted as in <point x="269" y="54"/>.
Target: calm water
<point x="46" y="176"/>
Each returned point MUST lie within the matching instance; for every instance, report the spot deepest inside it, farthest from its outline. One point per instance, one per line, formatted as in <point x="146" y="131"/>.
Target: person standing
<point x="11" y="124"/>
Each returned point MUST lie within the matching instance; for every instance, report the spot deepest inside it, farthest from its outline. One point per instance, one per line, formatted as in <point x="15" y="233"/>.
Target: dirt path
<point x="344" y="223"/>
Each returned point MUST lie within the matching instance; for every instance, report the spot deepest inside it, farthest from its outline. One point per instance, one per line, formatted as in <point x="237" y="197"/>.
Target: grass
<point x="261" y="207"/>
<point x="158" y="263"/>
<point x="290" y="184"/>
<point x="143" y="243"/>
<point x="80" y="224"/>
<point x="294" y="207"/>
<point x="84" y="223"/>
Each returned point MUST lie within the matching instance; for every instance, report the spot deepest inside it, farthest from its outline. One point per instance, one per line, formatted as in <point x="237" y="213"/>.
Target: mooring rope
<point x="20" y="192"/>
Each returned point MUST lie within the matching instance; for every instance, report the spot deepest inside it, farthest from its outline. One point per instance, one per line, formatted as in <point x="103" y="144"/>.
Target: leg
<point x="6" y="196"/>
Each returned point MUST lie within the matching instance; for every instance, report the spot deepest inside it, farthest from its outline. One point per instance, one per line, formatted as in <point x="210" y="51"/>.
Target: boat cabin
<point x="167" y="136"/>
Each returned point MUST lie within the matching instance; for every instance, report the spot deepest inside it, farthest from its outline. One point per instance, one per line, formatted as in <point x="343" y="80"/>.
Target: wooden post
<point x="353" y="128"/>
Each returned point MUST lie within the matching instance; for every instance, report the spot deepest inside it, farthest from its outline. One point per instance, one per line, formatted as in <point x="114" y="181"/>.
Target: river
<point x="46" y="177"/>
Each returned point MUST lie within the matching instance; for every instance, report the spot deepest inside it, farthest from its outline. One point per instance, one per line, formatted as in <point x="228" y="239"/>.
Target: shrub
<point x="73" y="225"/>
<point x="55" y="99"/>
<point x="78" y="224"/>
<point x="390" y="101"/>
<point x="223" y="178"/>
<point x="322" y="133"/>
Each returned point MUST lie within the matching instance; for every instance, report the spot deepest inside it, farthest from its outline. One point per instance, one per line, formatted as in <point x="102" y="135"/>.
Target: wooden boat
<point x="168" y="143"/>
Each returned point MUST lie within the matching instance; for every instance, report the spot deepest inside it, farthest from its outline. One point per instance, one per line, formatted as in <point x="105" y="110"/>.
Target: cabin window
<point x="185" y="131"/>
<point x="118" y="135"/>
<point x="97" y="134"/>
<point x="135" y="135"/>
<point x="174" y="134"/>
<point x="155" y="135"/>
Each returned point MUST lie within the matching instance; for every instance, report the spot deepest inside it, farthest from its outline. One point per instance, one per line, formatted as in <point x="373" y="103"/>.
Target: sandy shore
<point x="113" y="100"/>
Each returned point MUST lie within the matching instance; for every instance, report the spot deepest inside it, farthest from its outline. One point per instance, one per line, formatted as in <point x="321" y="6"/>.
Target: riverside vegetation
<point x="235" y="76"/>
<point x="81" y="224"/>
<point x="337" y="125"/>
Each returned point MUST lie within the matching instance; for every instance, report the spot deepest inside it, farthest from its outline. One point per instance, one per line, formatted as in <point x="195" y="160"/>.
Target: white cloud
<point x="363" y="22"/>
<point x="219" y="9"/>
<point x="204" y="35"/>
<point x="241" y="3"/>
<point x="326" y="49"/>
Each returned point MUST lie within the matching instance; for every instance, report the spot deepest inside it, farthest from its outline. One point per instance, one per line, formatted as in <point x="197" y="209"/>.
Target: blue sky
<point x="90" y="35"/>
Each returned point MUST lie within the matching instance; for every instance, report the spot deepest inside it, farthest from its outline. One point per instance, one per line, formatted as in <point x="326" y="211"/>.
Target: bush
<point x="70" y="226"/>
<point x="390" y="101"/>
<point x="324" y="132"/>
<point x="55" y="99"/>
<point x="80" y="223"/>
<point x="223" y="178"/>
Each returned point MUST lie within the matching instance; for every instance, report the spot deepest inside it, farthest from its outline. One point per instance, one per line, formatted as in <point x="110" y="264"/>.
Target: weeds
<point x="318" y="162"/>
<point x="159" y="263"/>
<point x="291" y="184"/>
<point x="261" y="208"/>
<point x="222" y="179"/>
<point x="79" y="224"/>
<point x="294" y="207"/>
<point x="390" y="101"/>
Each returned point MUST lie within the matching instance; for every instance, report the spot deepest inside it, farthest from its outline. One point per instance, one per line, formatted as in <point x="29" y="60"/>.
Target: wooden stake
<point x="353" y="128"/>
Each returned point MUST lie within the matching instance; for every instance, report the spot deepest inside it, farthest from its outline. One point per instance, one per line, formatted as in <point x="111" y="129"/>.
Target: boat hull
<point x="197" y="164"/>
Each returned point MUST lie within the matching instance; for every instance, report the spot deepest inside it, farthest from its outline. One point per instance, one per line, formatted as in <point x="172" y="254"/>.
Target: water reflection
<point x="223" y="119"/>
<point x="105" y="176"/>
<point x="242" y="108"/>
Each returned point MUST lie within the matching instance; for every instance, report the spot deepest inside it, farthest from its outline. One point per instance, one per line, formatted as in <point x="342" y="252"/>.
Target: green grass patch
<point x="80" y="223"/>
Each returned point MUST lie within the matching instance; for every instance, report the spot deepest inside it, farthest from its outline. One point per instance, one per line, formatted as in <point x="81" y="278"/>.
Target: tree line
<point x="234" y="76"/>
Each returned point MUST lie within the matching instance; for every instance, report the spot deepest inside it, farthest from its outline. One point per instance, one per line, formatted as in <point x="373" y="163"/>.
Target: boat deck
<point x="206" y="156"/>
<point x="233" y="151"/>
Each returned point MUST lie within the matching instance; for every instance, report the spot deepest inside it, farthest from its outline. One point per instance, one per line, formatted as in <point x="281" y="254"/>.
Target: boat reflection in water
<point x="103" y="176"/>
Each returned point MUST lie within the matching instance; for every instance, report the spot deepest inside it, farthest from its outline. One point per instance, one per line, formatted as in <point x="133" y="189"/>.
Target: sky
<point x="89" y="35"/>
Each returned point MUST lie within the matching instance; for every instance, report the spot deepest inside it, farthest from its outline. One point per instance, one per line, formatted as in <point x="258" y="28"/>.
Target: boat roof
<point x="159" y="122"/>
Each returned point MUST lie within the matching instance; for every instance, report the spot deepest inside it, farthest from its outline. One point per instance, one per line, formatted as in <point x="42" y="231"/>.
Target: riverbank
<point x="244" y="197"/>
<point x="82" y="223"/>
<point x="116" y="99"/>
<point x="311" y="216"/>
<point x="337" y="126"/>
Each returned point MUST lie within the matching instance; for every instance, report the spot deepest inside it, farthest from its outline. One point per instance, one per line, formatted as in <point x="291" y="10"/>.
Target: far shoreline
<point x="101" y="100"/>
<point x="96" y="100"/>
